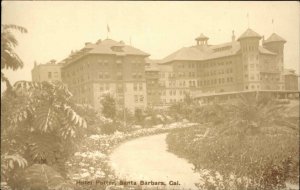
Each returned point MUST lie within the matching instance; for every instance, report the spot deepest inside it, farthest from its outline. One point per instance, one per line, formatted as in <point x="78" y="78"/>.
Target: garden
<point x="248" y="144"/>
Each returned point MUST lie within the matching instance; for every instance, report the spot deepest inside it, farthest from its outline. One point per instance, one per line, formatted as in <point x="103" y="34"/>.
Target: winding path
<point x="147" y="158"/>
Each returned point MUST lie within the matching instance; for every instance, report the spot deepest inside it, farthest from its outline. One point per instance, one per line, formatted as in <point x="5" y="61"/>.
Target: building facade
<point x="107" y="67"/>
<point x="291" y="80"/>
<point x="46" y="72"/>
<point x="152" y="83"/>
<point x="246" y="64"/>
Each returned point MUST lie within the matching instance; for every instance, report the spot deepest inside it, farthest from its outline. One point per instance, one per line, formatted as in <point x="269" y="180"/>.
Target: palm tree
<point x="9" y="58"/>
<point x="252" y="114"/>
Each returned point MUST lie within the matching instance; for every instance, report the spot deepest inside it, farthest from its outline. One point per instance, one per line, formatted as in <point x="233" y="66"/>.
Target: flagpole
<point x="248" y="19"/>
<point x="107" y="30"/>
<point x="130" y="40"/>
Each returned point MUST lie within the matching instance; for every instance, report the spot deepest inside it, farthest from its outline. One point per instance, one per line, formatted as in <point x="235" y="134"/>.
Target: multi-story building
<point x="107" y="67"/>
<point x="291" y="80"/>
<point x="46" y="72"/>
<point x="152" y="83"/>
<point x="244" y="64"/>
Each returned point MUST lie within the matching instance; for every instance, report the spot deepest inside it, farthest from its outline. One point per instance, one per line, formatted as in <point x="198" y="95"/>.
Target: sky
<point x="158" y="28"/>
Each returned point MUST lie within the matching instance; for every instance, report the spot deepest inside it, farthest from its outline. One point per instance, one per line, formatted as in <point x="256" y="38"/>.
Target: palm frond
<point x="41" y="176"/>
<point x="15" y="27"/>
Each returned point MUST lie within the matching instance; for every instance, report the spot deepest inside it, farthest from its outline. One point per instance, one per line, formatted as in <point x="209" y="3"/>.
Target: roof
<point x="185" y="53"/>
<point x="274" y="38"/>
<point x="263" y="50"/>
<point x="206" y="52"/>
<point x="202" y="37"/>
<point x="201" y="53"/>
<point x="105" y="47"/>
<point x="249" y="33"/>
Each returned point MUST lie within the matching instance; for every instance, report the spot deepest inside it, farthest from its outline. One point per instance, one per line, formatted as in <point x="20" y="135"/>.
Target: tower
<point x="275" y="44"/>
<point x="249" y="42"/>
<point x="201" y="40"/>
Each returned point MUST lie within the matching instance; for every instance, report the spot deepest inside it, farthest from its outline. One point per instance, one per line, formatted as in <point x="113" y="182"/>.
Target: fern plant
<point x="41" y="176"/>
<point x="40" y="123"/>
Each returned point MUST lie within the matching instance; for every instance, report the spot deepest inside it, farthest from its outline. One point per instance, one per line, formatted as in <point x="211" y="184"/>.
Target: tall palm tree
<point x="9" y="58"/>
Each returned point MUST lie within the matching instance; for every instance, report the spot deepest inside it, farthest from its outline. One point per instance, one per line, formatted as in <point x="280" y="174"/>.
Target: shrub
<point x="254" y="141"/>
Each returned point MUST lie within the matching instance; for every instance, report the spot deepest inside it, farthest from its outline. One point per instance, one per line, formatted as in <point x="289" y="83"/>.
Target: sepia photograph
<point x="150" y="95"/>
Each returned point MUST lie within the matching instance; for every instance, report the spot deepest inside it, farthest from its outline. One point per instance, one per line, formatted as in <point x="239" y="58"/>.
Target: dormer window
<point x="117" y="48"/>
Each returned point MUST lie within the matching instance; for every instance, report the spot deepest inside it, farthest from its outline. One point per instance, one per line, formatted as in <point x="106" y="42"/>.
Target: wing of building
<point x="50" y="71"/>
<point x="107" y="67"/>
<point x="246" y="64"/>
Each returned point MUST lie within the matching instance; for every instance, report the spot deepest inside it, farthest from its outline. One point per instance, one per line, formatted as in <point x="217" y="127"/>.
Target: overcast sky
<point x="158" y="28"/>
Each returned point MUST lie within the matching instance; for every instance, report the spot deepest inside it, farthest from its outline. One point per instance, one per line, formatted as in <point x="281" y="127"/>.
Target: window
<point x="140" y="86"/>
<point x="141" y="98"/>
<point x="136" y="98"/>
<point x="135" y="87"/>
<point x="119" y="76"/>
<point x="49" y="75"/>
<point x="106" y="75"/>
<point x="100" y="75"/>
<point x="140" y="75"/>
<point x="106" y="63"/>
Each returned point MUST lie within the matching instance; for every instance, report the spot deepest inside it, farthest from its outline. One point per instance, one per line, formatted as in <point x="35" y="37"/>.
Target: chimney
<point x="233" y="36"/>
<point x="98" y="42"/>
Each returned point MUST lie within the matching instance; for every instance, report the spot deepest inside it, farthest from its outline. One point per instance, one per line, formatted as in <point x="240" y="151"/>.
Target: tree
<point x="251" y="114"/>
<point x="9" y="58"/>
<point x="139" y="116"/>
<point x="39" y="125"/>
<point x="109" y="108"/>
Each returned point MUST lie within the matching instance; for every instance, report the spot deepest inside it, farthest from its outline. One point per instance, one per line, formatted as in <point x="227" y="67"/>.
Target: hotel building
<point x="46" y="72"/>
<point x="249" y="63"/>
<point x="107" y="67"/>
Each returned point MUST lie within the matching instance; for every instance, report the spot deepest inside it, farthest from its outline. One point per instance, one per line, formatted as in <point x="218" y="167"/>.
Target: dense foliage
<point x="9" y="58"/>
<point x="253" y="142"/>
<point x="39" y="129"/>
<point x="109" y="108"/>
